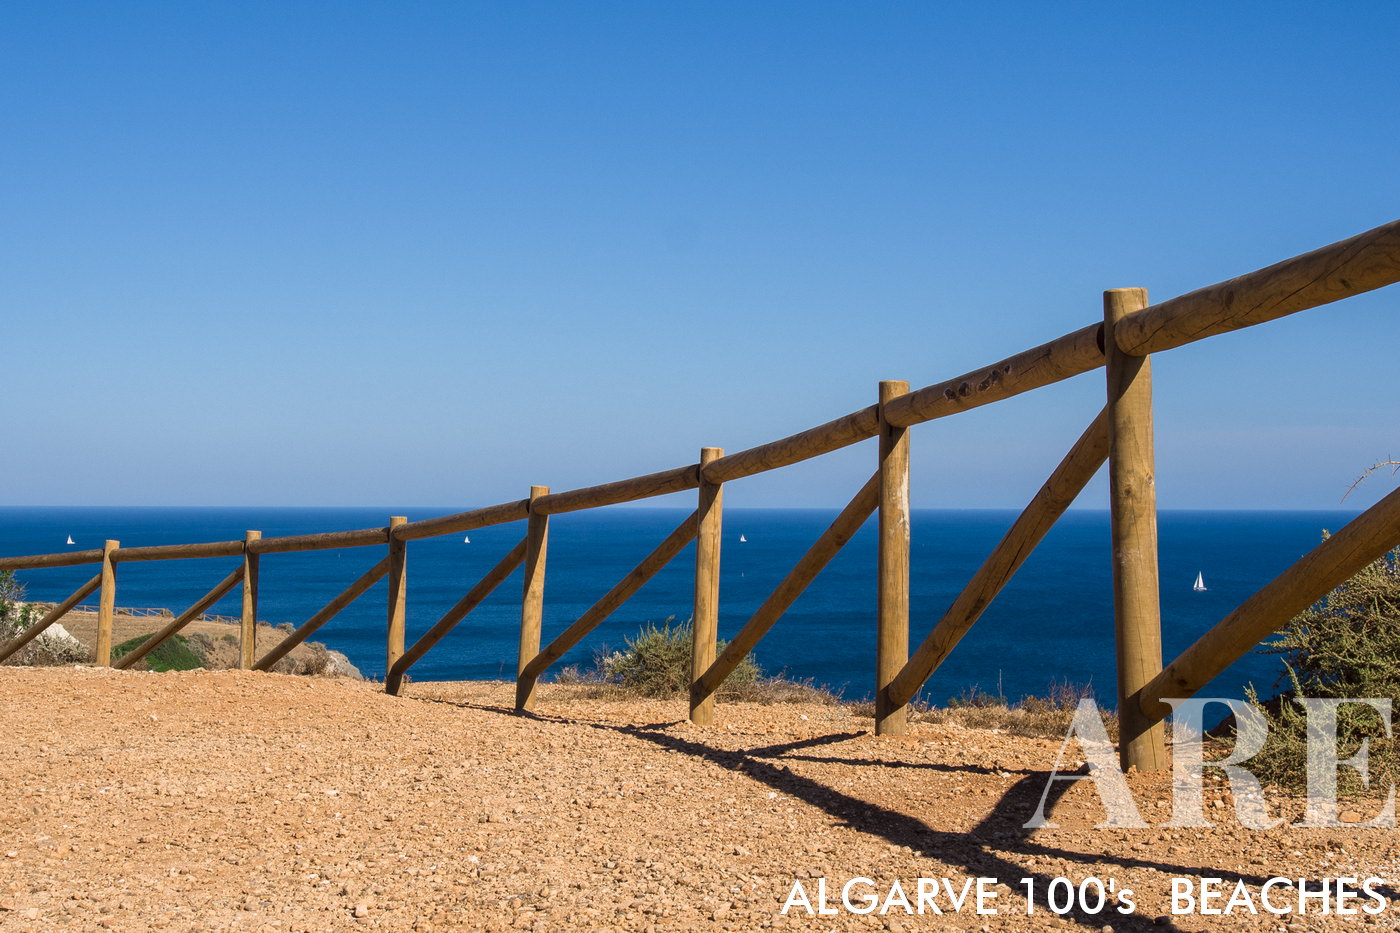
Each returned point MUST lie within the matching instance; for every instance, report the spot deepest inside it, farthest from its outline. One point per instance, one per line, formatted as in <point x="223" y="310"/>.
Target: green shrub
<point x="1345" y="646"/>
<point x="15" y="614"/>
<point x="656" y="663"/>
<point x="173" y="654"/>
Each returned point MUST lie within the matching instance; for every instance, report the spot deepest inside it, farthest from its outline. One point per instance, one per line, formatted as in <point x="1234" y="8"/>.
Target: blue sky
<point x="422" y="254"/>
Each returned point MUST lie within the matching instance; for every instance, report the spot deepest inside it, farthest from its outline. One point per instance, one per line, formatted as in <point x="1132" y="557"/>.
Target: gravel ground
<point x="237" y="801"/>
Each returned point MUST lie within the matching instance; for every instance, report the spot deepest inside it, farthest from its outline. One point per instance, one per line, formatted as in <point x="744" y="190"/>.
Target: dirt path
<point x="236" y="801"/>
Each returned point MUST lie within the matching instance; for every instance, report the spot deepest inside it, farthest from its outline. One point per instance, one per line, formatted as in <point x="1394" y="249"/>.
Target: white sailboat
<point x="742" y="539"/>
<point x="70" y="540"/>
<point x="1200" y="584"/>
<point x="466" y="539"/>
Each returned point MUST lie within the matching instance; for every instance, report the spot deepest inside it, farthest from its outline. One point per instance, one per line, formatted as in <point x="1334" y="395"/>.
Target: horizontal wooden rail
<point x="1349" y="267"/>
<point x="327" y="612"/>
<point x="179" y="551"/>
<point x="1071" y="355"/>
<point x="393" y="681"/>
<point x="823" y="439"/>
<point x="183" y="619"/>
<point x="322" y="541"/>
<point x="1057" y="494"/>
<point x="627" y="490"/>
<point x="1339" y="558"/>
<point x="463" y="521"/>
<point x="36" y="561"/>
<point x="846" y="524"/>
<point x="50" y="617"/>
<point x="625" y="589"/>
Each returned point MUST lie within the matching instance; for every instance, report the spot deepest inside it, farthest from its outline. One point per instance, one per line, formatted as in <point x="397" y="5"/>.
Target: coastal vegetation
<point x="655" y="662"/>
<point x="51" y="647"/>
<point x="173" y="654"/>
<point x="1346" y="646"/>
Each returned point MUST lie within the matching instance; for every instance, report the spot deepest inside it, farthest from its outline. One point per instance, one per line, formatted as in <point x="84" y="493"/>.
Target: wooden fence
<point x="1132" y="330"/>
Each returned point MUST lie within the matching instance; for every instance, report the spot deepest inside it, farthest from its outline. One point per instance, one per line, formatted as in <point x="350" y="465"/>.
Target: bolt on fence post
<point x="398" y="594"/>
<point x="892" y="623"/>
<point x="532" y="600"/>
<point x="1133" y="517"/>
<point x="248" y="617"/>
<point x="106" y="603"/>
<point x="704" y="620"/>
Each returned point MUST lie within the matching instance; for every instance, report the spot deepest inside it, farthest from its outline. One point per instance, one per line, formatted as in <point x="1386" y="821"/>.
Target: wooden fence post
<point x="704" y="621"/>
<point x="398" y="593"/>
<point x="248" y="619"/>
<point x="106" y="601"/>
<point x="892" y="626"/>
<point x="532" y="600"/>
<point x="1133" y="505"/>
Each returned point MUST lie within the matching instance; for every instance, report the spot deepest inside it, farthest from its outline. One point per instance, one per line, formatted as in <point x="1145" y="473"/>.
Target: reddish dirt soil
<point x="237" y="801"/>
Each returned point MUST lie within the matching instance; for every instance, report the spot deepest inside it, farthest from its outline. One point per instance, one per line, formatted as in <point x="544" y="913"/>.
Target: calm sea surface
<point x="1052" y="622"/>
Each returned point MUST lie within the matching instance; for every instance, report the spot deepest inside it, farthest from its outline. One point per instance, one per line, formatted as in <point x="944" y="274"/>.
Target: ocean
<point x="1053" y="622"/>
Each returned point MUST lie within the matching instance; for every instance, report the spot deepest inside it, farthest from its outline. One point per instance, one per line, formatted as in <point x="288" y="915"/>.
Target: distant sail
<point x="466" y="539"/>
<point x="1200" y="585"/>
<point x="742" y="539"/>
<point x="70" y="540"/>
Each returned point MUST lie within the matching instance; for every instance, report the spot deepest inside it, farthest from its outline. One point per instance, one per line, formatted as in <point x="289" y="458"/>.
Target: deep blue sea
<point x="1052" y="622"/>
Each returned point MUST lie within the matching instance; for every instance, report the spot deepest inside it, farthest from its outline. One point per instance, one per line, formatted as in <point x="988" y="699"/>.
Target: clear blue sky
<point x="422" y="254"/>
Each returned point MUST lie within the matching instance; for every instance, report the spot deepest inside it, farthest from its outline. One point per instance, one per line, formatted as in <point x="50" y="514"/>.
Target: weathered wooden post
<point x="106" y="603"/>
<point x="398" y="592"/>
<point x="892" y="625"/>
<point x="532" y="600"/>
<point x="704" y="621"/>
<point x="248" y="620"/>
<point x="1133" y="505"/>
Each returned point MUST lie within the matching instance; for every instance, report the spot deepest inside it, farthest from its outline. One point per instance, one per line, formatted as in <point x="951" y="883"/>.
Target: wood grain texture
<point x="892" y="566"/>
<point x="180" y="551"/>
<point x="465" y="521"/>
<point x="67" y="559"/>
<point x="398" y="593"/>
<point x="248" y="615"/>
<point x="321" y="541"/>
<point x="704" y="621"/>
<point x="1349" y="267"/>
<point x="624" y="490"/>
<point x="106" y="602"/>
<point x="1133" y="520"/>
<point x="823" y="439"/>
<point x="532" y="597"/>
<point x="1067" y="356"/>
